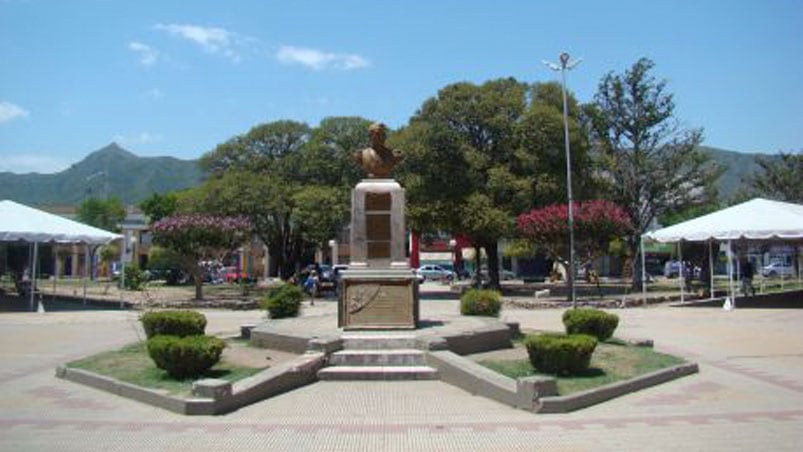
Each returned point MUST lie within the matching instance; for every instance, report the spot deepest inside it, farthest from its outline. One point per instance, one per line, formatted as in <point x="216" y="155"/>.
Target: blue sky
<point x="178" y="77"/>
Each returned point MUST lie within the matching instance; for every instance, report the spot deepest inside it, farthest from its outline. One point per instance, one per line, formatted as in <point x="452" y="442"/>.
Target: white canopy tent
<point x="20" y="223"/>
<point x="757" y="219"/>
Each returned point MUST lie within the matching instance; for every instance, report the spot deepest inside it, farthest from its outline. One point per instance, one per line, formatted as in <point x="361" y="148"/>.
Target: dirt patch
<point x="240" y="353"/>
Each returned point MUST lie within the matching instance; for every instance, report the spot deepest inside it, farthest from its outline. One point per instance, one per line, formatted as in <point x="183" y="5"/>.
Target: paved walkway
<point x="747" y="396"/>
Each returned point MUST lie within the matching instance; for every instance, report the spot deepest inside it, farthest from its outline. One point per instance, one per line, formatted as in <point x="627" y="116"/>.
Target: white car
<point x="434" y="272"/>
<point x="776" y="269"/>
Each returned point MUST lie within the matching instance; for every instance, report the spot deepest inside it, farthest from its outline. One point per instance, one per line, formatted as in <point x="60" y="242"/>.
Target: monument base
<point x="378" y="299"/>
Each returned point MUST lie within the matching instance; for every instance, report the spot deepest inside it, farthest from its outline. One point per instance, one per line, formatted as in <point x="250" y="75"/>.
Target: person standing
<point x="747" y="278"/>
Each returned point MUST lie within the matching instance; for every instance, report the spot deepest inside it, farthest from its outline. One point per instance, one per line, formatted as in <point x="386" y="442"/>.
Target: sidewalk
<point x="747" y="396"/>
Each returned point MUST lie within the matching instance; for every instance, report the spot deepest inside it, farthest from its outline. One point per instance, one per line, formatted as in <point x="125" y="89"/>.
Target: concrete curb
<point x="219" y="396"/>
<point x="563" y="404"/>
<point x="479" y="380"/>
<point x="282" y="342"/>
<point x="538" y="394"/>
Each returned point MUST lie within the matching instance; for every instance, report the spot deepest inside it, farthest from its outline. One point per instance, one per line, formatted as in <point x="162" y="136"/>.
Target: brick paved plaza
<point x="747" y="396"/>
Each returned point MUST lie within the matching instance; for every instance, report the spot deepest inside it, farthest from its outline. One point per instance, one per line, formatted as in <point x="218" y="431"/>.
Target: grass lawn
<point x="612" y="361"/>
<point x="132" y="364"/>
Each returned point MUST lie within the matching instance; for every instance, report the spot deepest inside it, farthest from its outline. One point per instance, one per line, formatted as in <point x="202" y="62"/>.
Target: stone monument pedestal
<point x="378" y="291"/>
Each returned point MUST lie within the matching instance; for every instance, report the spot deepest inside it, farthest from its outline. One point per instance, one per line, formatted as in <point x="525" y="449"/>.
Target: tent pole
<point x="710" y="269"/>
<point x="681" y="275"/>
<point x="55" y="272"/>
<point x="87" y="264"/>
<point x="643" y="275"/>
<point x="33" y="274"/>
<point x="730" y="275"/>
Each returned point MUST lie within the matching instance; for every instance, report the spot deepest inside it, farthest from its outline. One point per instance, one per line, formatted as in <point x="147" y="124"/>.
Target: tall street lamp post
<point x="566" y="64"/>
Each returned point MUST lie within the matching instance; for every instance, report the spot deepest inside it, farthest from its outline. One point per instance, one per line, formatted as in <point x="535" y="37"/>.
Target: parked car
<point x="326" y="277"/>
<point x="504" y="274"/>
<point x="434" y="272"/>
<point x="775" y="269"/>
<point x="672" y="269"/>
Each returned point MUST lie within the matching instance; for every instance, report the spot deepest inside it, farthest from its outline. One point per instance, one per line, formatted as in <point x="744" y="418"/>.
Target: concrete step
<point x="378" y="373"/>
<point x="355" y="341"/>
<point x="396" y="357"/>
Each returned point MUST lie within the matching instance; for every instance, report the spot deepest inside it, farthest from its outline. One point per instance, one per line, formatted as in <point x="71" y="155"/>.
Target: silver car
<point x="776" y="269"/>
<point x="434" y="272"/>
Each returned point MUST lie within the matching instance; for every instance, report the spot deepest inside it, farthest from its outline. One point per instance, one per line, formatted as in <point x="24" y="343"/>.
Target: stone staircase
<point x="385" y="356"/>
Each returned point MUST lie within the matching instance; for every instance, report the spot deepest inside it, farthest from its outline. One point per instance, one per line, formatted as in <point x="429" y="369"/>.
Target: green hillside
<point x="738" y="167"/>
<point x="111" y="170"/>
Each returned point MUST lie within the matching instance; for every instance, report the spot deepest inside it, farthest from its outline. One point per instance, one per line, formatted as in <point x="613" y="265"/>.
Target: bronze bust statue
<point x="378" y="160"/>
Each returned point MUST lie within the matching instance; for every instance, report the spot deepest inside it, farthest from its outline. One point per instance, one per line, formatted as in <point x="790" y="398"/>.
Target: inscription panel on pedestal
<point x="370" y="303"/>
<point x="377" y="228"/>
<point x="377" y="201"/>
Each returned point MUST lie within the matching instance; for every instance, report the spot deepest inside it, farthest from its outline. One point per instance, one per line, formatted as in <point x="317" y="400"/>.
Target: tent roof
<point x="20" y="222"/>
<point x="754" y="219"/>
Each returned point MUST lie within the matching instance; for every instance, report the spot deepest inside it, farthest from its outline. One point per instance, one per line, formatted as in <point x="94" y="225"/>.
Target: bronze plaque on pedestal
<point x="378" y="304"/>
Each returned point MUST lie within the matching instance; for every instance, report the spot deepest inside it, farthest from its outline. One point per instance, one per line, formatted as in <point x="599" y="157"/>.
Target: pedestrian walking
<point x="311" y="285"/>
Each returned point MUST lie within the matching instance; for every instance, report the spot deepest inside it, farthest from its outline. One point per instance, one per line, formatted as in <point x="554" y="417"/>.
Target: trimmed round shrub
<point x="174" y="323"/>
<point x="481" y="302"/>
<point x="185" y="357"/>
<point x="555" y="353"/>
<point x="594" y="322"/>
<point x="135" y="278"/>
<point x="284" y="301"/>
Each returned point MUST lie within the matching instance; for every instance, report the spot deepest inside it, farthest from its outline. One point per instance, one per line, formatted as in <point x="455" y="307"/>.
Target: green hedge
<point x="184" y="357"/>
<point x="555" y="353"/>
<point x="135" y="278"/>
<point x="174" y="323"/>
<point x="284" y="301"/>
<point x="481" y="302"/>
<point x="593" y="322"/>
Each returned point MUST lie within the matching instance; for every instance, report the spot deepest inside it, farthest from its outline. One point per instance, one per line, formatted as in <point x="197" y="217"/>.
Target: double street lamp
<point x="566" y="63"/>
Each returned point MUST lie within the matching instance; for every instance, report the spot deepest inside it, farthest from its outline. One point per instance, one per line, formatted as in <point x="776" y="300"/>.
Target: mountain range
<point x="109" y="171"/>
<point x="114" y="171"/>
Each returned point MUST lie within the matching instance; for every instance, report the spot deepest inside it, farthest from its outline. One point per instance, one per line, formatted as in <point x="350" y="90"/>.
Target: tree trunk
<point x="492" y="252"/>
<point x="477" y="283"/>
<point x="634" y="251"/>
<point x="197" y="276"/>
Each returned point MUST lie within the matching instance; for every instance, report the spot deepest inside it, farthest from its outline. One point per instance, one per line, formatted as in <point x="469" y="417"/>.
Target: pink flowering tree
<point x="199" y="237"/>
<point x="596" y="224"/>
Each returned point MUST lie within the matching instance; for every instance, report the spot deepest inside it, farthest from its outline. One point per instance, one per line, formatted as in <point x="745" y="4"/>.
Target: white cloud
<point x="139" y="138"/>
<point x="318" y="60"/>
<point x="211" y="39"/>
<point x="26" y="163"/>
<point x="9" y="112"/>
<point x="147" y="54"/>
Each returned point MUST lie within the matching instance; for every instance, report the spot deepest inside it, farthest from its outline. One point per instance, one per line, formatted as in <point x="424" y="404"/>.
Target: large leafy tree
<point x="653" y="164"/>
<point x="780" y="178"/>
<point x="290" y="180"/>
<point x="102" y="213"/>
<point x="196" y="238"/>
<point x="475" y="156"/>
